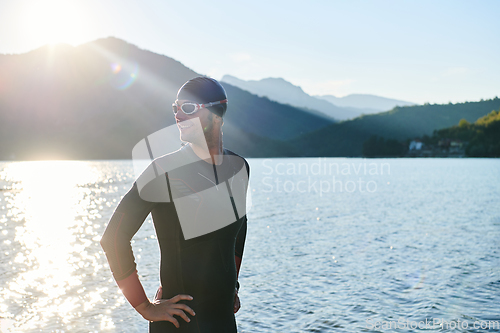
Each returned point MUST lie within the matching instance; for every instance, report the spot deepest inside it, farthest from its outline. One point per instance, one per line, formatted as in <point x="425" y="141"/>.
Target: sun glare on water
<point x="51" y="231"/>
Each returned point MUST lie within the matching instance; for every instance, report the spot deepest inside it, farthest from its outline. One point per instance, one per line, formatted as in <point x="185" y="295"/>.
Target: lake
<point x="333" y="245"/>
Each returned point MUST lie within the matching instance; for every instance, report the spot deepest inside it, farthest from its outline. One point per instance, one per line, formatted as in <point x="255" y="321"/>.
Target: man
<point x="196" y="196"/>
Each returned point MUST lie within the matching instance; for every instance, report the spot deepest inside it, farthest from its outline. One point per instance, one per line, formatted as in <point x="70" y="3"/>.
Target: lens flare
<point x="415" y="280"/>
<point x="123" y="75"/>
<point x="116" y="68"/>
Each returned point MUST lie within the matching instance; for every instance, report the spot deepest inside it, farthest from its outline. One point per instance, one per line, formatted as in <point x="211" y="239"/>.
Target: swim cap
<point x="203" y="89"/>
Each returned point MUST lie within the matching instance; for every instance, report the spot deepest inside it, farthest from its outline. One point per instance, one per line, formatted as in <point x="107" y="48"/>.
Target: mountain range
<point x="344" y="108"/>
<point x="401" y="123"/>
<point x="99" y="99"/>
<point x="372" y="102"/>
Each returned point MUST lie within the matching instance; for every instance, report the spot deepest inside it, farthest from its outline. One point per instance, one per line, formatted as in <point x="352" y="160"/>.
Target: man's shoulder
<point x="182" y="150"/>
<point x="239" y="157"/>
<point x="179" y="158"/>
<point x="230" y="152"/>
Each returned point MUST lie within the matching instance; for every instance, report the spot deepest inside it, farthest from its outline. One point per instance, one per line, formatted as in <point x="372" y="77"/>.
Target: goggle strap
<point x="213" y="103"/>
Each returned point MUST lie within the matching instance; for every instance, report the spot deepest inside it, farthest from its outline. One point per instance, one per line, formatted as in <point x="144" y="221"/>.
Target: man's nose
<point x="180" y="115"/>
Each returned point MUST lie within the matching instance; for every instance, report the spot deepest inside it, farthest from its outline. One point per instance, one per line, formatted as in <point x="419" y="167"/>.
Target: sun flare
<point x="54" y="21"/>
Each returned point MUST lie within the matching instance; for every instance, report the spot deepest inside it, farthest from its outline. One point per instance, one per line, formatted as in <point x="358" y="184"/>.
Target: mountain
<point x="375" y="103"/>
<point x="97" y="100"/>
<point x="282" y="91"/>
<point x="347" y="138"/>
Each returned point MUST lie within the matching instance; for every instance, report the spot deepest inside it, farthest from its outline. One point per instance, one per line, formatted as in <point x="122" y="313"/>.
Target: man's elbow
<point x="105" y="242"/>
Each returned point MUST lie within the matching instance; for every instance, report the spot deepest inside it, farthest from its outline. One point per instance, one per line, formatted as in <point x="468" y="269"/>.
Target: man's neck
<point x="214" y="155"/>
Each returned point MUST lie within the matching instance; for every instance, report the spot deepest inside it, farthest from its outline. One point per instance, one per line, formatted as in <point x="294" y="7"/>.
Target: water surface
<point x="333" y="245"/>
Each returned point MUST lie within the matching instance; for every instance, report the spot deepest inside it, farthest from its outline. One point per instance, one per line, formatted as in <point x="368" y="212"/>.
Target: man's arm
<point x="126" y="220"/>
<point x="116" y="243"/>
<point x="238" y="255"/>
<point x="242" y="234"/>
<point x="240" y="245"/>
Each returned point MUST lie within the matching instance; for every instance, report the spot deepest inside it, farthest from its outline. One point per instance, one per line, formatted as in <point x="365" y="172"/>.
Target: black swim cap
<point x="203" y="89"/>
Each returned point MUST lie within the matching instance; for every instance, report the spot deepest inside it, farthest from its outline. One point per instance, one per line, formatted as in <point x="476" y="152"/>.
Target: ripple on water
<point x="423" y="246"/>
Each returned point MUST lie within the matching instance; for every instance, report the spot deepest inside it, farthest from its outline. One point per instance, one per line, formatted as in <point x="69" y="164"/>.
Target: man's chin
<point x="186" y="138"/>
<point x="189" y="138"/>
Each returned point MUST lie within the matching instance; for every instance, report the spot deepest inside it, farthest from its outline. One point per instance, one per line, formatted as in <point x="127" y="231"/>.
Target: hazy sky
<point x="420" y="51"/>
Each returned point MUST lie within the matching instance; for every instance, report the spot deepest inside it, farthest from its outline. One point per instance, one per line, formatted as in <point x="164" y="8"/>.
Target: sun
<point x="54" y="21"/>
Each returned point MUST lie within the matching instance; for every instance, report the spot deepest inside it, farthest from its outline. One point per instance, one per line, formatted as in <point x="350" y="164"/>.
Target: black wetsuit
<point x="204" y="266"/>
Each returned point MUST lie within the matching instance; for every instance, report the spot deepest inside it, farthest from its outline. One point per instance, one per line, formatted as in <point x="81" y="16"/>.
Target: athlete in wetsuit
<point x="196" y="198"/>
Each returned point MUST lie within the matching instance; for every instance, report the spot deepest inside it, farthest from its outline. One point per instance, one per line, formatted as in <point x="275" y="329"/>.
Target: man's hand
<point x="237" y="304"/>
<point x="165" y="309"/>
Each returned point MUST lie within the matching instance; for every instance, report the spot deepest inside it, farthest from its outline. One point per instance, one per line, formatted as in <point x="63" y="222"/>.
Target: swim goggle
<point x="190" y="108"/>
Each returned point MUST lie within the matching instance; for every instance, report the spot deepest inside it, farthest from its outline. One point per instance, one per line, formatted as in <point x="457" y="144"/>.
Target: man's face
<point x="188" y="131"/>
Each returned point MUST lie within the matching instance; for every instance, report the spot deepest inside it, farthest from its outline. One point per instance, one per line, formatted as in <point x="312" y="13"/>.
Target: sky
<point x="417" y="51"/>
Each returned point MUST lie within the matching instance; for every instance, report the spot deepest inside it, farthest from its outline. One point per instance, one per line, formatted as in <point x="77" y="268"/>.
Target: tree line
<point x="481" y="139"/>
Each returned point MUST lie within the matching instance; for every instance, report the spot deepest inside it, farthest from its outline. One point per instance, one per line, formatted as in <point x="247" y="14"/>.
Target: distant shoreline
<point x="267" y="157"/>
